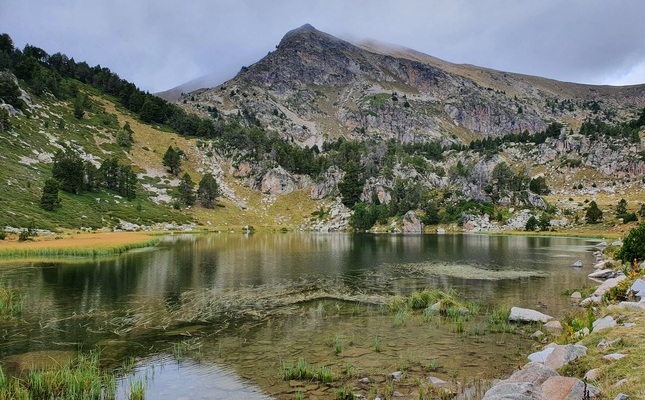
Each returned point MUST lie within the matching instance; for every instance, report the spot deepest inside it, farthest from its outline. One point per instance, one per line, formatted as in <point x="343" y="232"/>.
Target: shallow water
<point x="243" y="305"/>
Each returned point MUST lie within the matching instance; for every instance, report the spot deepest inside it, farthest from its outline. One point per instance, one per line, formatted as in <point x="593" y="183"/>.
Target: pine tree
<point x="593" y="214"/>
<point x="172" y="160"/>
<point x="186" y="190"/>
<point x="50" y="200"/>
<point x="351" y="186"/>
<point x="208" y="191"/>
<point x="621" y="208"/>
<point x="69" y="171"/>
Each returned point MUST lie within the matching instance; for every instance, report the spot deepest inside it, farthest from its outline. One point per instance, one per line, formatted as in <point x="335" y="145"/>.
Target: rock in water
<point x="526" y="315"/>
<point x="577" y="264"/>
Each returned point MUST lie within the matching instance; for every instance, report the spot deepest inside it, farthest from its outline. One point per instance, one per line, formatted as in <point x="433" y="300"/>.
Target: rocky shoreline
<point x="539" y="378"/>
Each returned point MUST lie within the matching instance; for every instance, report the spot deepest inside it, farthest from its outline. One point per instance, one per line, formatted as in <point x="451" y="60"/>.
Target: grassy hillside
<point x="26" y="161"/>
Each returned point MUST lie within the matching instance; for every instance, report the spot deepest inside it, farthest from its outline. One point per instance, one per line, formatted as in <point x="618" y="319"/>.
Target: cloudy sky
<point x="159" y="44"/>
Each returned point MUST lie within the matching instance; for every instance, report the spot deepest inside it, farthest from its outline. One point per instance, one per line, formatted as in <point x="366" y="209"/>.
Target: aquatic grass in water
<point x="82" y="379"/>
<point x="301" y="370"/>
<point x="465" y="271"/>
<point x="338" y="345"/>
<point x="137" y="390"/>
<point x="81" y="252"/>
<point x="401" y="317"/>
<point x="10" y="302"/>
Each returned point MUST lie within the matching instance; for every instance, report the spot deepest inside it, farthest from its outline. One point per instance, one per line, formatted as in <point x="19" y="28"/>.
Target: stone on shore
<point x="576" y="296"/>
<point x="533" y="372"/>
<point x="604" y="323"/>
<point x="613" y="357"/>
<point x="603" y="274"/>
<point x="527" y="315"/>
<point x="565" y="388"/>
<point x="638" y="288"/>
<point x="554" y="327"/>
<point x="555" y="356"/>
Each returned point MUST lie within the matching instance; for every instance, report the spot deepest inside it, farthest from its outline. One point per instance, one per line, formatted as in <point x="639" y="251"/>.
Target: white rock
<point x="576" y="296"/>
<point x="604" y="323"/>
<point x="638" y="288"/>
<point x="603" y="274"/>
<point x="528" y="315"/>
<point x="613" y="357"/>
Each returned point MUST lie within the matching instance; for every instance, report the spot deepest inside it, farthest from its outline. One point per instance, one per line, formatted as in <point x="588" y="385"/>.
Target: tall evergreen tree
<point x="351" y="186"/>
<point x="68" y="170"/>
<point x="593" y="214"/>
<point x="186" y="190"/>
<point x="172" y="160"/>
<point x="50" y="200"/>
<point x="208" y="191"/>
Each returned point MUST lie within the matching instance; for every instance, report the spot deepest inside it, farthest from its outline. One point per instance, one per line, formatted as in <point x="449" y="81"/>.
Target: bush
<point x="531" y="224"/>
<point x="633" y="245"/>
<point x="628" y="217"/>
<point x="3" y="235"/>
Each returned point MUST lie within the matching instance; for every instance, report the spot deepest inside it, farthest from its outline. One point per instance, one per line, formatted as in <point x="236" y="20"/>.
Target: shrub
<point x="531" y="224"/>
<point x="633" y="245"/>
<point x="628" y="217"/>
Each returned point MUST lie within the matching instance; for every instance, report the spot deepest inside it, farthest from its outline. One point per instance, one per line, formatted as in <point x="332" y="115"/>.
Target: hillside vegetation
<point x="83" y="148"/>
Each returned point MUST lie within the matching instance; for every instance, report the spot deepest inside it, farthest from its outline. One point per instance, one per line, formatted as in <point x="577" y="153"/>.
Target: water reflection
<point x="137" y="297"/>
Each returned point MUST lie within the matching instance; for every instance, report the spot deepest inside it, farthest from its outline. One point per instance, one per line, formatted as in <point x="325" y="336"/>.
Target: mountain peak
<point x="303" y="32"/>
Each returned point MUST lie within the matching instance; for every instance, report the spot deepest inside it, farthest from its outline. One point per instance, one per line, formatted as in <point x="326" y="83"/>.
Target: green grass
<point x="301" y="370"/>
<point x="75" y="252"/>
<point x="22" y="182"/>
<point x="10" y="301"/>
<point x="81" y="379"/>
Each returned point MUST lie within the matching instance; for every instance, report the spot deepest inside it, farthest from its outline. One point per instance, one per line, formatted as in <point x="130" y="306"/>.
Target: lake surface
<point x="216" y="316"/>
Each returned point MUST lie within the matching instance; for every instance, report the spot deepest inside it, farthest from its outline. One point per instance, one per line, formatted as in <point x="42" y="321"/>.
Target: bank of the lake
<point x="75" y="244"/>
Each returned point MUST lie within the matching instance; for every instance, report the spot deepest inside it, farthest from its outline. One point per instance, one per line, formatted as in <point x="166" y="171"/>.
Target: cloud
<point x="165" y="43"/>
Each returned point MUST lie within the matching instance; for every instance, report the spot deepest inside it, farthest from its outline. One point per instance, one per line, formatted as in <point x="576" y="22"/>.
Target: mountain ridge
<point x="443" y="99"/>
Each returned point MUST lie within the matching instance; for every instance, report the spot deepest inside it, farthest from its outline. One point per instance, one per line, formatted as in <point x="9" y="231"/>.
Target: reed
<point x="73" y="251"/>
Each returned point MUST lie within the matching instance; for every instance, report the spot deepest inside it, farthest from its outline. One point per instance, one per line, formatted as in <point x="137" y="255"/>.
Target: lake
<point x="218" y="316"/>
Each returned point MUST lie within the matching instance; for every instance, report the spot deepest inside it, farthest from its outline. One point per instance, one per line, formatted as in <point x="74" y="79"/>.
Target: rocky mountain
<point x="316" y="87"/>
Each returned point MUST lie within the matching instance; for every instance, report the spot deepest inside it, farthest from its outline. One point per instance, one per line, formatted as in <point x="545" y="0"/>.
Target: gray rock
<point x="434" y="381"/>
<point x="604" y="323"/>
<point x="364" y="380"/>
<point x="577" y="264"/>
<point x="617" y="243"/>
<point x="629" y="324"/>
<point x="576" y="296"/>
<point x="604" y="343"/>
<point x="600" y="265"/>
<point x="642" y="266"/>
<point x="620" y="382"/>
<point x="592" y="374"/>
<point x="328" y="184"/>
<point x="527" y="315"/>
<point x="554" y="327"/>
<point x="536" y="200"/>
<point x="638" y="288"/>
<point x="537" y="335"/>
<point x="512" y="391"/>
<point x="603" y="274"/>
<point x="621" y="396"/>
<point x="555" y="356"/>
<point x="396" y="375"/>
<point x="613" y="357"/>
<point x="278" y="181"/>
<point x="565" y="388"/>
<point x="412" y="224"/>
<point x="441" y="231"/>
<point x="601" y="246"/>
<point x="533" y="372"/>
<point x="608" y="284"/>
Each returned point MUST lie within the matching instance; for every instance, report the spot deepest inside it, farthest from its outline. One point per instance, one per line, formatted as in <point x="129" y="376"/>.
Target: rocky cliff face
<point x="315" y="86"/>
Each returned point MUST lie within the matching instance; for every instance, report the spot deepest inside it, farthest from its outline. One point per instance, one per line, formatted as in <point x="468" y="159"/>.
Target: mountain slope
<point x="315" y="86"/>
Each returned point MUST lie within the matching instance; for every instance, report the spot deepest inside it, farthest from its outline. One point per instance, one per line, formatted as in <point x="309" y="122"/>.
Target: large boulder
<point x="638" y="288"/>
<point x="527" y="315"/>
<point x="328" y="184"/>
<point x="565" y="388"/>
<point x="278" y="181"/>
<point x="555" y="356"/>
<point x="533" y="372"/>
<point x="411" y="223"/>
